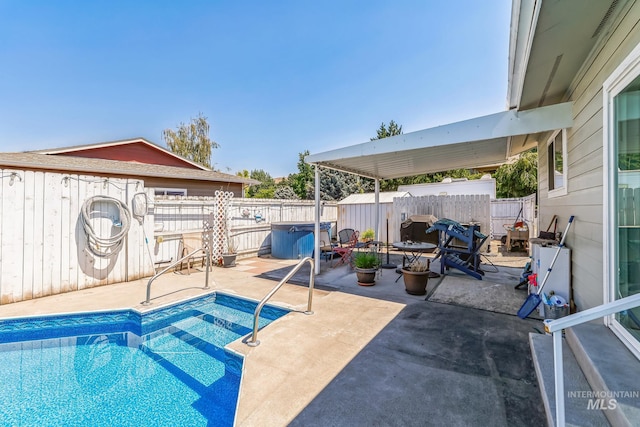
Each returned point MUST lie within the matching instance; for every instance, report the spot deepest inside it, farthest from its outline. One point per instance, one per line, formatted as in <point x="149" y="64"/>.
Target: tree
<point x="384" y="132"/>
<point x="299" y="181"/>
<point x="285" y="192"/>
<point x="191" y="141"/>
<point x="267" y="187"/>
<point x="244" y="174"/>
<point x="336" y="185"/>
<point x="518" y="179"/>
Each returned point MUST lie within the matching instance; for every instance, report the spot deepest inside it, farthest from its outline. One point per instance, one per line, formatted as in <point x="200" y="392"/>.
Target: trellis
<point x="217" y="226"/>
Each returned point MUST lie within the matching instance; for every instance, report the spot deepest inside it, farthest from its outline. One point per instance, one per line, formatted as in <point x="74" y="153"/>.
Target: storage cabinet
<point x="559" y="280"/>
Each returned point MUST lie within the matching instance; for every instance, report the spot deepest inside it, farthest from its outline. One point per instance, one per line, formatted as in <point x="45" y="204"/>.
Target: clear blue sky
<point x="274" y="77"/>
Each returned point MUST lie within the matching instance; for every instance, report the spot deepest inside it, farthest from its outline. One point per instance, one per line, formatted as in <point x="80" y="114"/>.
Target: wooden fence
<point x="464" y="209"/>
<point x="43" y="244"/>
<point x="508" y="211"/>
<point x="249" y="221"/>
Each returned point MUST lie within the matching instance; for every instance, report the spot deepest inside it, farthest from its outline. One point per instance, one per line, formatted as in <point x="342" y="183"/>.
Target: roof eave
<point x="524" y="19"/>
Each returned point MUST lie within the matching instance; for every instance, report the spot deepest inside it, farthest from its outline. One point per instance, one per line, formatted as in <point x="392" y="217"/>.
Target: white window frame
<point x="560" y="191"/>
<point x="162" y="191"/>
<point x="623" y="75"/>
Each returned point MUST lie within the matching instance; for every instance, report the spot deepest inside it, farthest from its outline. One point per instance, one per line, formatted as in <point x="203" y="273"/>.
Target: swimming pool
<point x="164" y="367"/>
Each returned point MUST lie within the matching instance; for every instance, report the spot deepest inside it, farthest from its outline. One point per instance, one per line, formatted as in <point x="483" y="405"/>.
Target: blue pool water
<point x="167" y="367"/>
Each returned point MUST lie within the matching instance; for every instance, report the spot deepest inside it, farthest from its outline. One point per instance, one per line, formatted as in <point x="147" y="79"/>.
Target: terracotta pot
<point x="366" y="276"/>
<point x="229" y="260"/>
<point x="415" y="282"/>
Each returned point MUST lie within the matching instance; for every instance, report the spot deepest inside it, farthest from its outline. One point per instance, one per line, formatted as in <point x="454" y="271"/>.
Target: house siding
<point x="584" y="198"/>
<point x="196" y="188"/>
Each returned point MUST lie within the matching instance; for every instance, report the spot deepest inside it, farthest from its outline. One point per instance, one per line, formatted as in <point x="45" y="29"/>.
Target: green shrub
<point x="366" y="260"/>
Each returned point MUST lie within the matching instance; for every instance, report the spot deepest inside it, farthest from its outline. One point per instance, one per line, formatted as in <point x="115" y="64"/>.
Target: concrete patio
<point x="368" y="355"/>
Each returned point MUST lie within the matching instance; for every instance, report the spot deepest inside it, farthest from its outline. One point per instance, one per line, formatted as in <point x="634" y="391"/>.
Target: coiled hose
<point x="105" y="246"/>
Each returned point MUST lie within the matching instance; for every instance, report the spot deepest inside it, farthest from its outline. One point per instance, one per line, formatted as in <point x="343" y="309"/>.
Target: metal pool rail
<point x="253" y="341"/>
<point x="173" y="264"/>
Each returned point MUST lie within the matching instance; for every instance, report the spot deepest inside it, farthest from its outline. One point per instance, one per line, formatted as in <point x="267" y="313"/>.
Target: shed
<point x="454" y="187"/>
<point x="357" y="211"/>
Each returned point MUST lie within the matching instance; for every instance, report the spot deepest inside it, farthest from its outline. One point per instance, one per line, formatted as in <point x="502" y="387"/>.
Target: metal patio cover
<point x="481" y="141"/>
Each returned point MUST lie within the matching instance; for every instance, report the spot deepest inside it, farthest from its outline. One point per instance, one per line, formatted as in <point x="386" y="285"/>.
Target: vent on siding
<point x="605" y="18"/>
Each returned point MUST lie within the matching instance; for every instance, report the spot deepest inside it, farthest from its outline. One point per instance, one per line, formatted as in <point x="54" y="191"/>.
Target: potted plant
<point x="366" y="266"/>
<point x="368" y="235"/>
<point x="229" y="257"/>
<point x="416" y="276"/>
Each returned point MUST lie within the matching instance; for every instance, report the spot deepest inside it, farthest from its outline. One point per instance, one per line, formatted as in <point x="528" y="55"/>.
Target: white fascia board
<point x="524" y="20"/>
<point x="499" y="125"/>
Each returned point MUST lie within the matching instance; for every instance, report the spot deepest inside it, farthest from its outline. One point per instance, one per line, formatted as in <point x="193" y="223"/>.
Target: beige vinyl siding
<point x="585" y="173"/>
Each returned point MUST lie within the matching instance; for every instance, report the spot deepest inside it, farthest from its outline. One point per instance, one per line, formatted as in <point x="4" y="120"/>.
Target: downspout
<point x="316" y="229"/>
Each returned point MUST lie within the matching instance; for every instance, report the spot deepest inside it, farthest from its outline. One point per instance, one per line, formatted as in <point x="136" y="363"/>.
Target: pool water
<point x="167" y="367"/>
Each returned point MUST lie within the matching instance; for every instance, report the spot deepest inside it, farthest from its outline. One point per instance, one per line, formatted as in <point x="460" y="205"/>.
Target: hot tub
<point x="293" y="240"/>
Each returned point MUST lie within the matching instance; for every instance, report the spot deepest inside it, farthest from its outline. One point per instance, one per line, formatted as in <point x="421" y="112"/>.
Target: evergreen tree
<point x="285" y="192"/>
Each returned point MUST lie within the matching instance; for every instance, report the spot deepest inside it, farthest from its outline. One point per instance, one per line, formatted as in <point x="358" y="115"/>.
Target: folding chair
<point x="349" y="240"/>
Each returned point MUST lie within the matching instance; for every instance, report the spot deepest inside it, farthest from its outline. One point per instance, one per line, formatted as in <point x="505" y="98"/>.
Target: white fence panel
<point x="463" y="209"/>
<point x="249" y="221"/>
<point x="362" y="216"/>
<point x="43" y="244"/>
<point x="505" y="212"/>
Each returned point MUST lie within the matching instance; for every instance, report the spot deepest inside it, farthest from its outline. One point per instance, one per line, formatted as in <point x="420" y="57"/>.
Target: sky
<point x="274" y="78"/>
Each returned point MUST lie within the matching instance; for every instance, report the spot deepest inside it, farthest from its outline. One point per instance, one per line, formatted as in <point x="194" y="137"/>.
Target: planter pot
<point x="415" y="282"/>
<point x="366" y="276"/>
<point x="229" y="260"/>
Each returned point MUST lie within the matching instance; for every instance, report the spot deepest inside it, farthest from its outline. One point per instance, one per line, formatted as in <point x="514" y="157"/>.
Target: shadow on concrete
<point x="434" y="365"/>
<point x="459" y="358"/>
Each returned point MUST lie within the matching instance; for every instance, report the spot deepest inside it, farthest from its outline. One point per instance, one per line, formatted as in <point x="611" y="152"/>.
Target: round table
<point x="413" y="250"/>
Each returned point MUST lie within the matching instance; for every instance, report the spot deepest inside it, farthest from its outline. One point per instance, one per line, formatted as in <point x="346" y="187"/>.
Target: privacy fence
<point x="65" y="232"/>
<point x="471" y="209"/>
<point x="249" y="221"/>
<point x="492" y="215"/>
<point x="45" y="247"/>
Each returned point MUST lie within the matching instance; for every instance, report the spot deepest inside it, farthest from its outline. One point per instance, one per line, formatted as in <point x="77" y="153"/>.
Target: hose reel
<point x="100" y="245"/>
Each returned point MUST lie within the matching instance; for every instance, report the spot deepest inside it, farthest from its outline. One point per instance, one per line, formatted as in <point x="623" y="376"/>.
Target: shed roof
<point x="365" y="198"/>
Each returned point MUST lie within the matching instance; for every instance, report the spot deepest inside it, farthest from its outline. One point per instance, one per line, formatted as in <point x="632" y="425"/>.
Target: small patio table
<point x="411" y="251"/>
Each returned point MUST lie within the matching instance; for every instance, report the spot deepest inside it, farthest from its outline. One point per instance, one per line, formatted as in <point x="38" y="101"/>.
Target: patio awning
<point x="482" y="141"/>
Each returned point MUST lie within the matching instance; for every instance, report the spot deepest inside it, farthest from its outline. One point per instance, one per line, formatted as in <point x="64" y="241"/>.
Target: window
<point x="557" y="163"/>
<point x="170" y="192"/>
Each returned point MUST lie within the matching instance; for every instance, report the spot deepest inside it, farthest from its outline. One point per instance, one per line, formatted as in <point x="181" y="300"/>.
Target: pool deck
<point x="367" y="356"/>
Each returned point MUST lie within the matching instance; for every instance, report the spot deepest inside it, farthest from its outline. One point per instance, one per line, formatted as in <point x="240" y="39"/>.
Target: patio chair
<point x="348" y="240"/>
<point x="326" y="245"/>
<point x="189" y="243"/>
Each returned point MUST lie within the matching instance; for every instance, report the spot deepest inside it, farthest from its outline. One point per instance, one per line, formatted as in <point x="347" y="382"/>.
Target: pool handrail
<point x="173" y="264"/>
<point x="555" y="327"/>
<point x="253" y="341"/>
